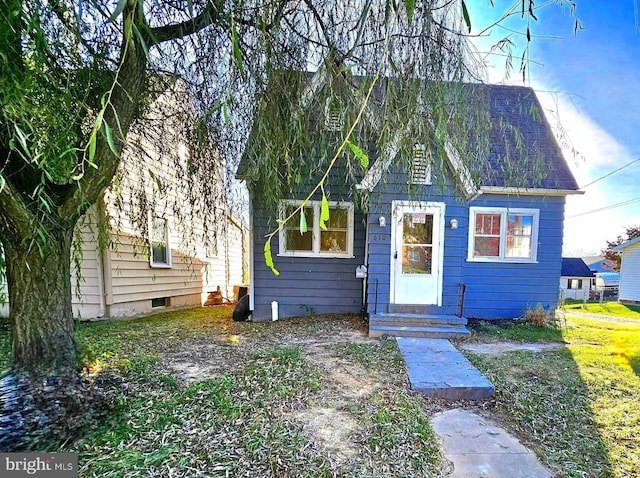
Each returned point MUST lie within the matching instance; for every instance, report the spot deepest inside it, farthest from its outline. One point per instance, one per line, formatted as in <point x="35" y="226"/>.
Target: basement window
<point x="160" y="302"/>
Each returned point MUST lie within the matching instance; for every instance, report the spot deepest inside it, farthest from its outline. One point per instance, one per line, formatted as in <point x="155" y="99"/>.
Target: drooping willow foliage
<point x="80" y="80"/>
<point x="416" y="70"/>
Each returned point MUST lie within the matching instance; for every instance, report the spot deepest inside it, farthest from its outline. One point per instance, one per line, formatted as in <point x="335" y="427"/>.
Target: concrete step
<point x="439" y="332"/>
<point x="438" y="370"/>
<point x="419" y="309"/>
<point x="415" y="320"/>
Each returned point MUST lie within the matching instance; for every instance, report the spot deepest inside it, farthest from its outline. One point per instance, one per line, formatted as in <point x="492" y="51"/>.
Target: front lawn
<point x="578" y="406"/>
<point x="196" y="394"/>
<point x="607" y="308"/>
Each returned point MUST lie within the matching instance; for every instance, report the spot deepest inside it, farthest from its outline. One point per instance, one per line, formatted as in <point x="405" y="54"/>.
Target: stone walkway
<point x="477" y="448"/>
<point x="474" y="446"/>
<point x="438" y="370"/>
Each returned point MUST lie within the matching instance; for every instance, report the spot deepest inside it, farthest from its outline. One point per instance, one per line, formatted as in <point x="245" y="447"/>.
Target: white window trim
<point x="314" y="226"/>
<point x="504" y="212"/>
<point x="152" y="263"/>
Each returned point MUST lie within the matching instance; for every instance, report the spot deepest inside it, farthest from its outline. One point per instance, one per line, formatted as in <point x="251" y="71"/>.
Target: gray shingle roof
<point x="575" y="267"/>
<point x="523" y="151"/>
<point x="538" y="163"/>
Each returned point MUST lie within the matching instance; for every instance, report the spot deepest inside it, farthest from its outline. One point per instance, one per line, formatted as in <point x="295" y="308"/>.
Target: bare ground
<point x="322" y="341"/>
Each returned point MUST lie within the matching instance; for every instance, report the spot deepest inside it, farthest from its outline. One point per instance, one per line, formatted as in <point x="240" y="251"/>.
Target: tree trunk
<point x="42" y="325"/>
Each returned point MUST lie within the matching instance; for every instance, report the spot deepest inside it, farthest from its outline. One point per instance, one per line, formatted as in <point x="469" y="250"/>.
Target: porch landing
<point x="405" y="324"/>
<point x="438" y="370"/>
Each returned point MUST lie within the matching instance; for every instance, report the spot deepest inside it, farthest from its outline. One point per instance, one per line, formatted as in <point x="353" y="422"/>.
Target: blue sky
<point x="589" y="83"/>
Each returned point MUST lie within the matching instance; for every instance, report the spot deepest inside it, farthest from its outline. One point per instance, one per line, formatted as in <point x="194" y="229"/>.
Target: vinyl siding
<point x="88" y="301"/>
<point x="630" y="274"/>
<point x="306" y="285"/>
<point x="506" y="290"/>
<point x="493" y="290"/>
<point x="578" y="294"/>
<point x="152" y="178"/>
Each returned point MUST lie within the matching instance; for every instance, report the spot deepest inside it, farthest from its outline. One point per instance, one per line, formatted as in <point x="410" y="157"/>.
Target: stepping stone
<point x="477" y="448"/>
<point x="438" y="370"/>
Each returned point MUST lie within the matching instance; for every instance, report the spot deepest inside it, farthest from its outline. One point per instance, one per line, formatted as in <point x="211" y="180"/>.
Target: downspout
<point x="365" y="282"/>
<point x="227" y="262"/>
<point x="251" y="259"/>
<point x="104" y="258"/>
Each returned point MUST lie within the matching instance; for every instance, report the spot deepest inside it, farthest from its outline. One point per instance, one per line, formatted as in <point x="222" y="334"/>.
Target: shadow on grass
<point x="634" y="363"/>
<point x="544" y="398"/>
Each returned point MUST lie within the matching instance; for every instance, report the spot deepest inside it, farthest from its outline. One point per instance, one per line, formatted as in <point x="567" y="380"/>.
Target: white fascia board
<point x="459" y="169"/>
<point x="529" y="191"/>
<point x="624" y="245"/>
<point x="311" y="90"/>
<point x="373" y="176"/>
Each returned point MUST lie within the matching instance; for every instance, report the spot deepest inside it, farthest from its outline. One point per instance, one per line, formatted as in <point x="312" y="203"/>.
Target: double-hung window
<point x="334" y="240"/>
<point x="159" y="242"/>
<point x="503" y="234"/>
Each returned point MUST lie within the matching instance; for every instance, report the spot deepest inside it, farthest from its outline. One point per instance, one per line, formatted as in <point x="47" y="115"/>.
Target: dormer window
<point x="420" y="172"/>
<point x="333" y="115"/>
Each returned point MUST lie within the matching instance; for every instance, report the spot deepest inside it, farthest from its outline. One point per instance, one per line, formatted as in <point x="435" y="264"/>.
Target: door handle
<point x="395" y="255"/>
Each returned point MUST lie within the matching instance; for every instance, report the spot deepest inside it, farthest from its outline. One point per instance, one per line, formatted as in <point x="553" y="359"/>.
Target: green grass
<point x="577" y="406"/>
<point x="249" y="417"/>
<point x="607" y="308"/>
<point x="222" y="426"/>
<point x="501" y="331"/>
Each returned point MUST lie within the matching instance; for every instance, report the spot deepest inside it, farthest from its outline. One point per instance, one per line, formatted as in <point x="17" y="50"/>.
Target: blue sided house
<point x="421" y="245"/>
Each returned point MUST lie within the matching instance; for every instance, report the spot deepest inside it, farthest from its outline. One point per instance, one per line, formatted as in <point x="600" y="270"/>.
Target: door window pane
<point x="417" y="229"/>
<point x="417" y="241"/>
<point x="416" y="259"/>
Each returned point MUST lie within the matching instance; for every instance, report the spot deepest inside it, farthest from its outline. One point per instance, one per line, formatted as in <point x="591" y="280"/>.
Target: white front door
<point x="417" y="250"/>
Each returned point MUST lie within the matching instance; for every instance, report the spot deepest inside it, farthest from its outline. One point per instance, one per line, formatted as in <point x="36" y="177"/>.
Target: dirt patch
<point x="502" y="347"/>
<point x="197" y="360"/>
<point x="321" y="341"/>
<point x="226" y="350"/>
<point x="331" y="429"/>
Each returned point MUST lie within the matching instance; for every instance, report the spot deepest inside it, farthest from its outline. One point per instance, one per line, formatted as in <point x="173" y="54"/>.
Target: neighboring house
<point x="491" y="252"/>
<point x="629" y="291"/>
<point x="599" y="264"/>
<point x="575" y="278"/>
<point x="173" y="255"/>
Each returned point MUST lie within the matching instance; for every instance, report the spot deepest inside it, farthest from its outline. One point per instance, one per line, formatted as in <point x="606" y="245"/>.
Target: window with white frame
<point x="503" y="234"/>
<point x="159" y="241"/>
<point x="420" y="170"/>
<point x="211" y="244"/>
<point x="334" y="240"/>
<point x="574" y="284"/>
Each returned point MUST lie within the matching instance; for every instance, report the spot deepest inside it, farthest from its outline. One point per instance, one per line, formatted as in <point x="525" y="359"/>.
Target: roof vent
<point x="333" y="115"/>
<point x="420" y="165"/>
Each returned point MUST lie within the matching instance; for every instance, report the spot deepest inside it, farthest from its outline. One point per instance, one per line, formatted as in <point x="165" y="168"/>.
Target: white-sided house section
<point x="185" y="247"/>
<point x="124" y="281"/>
<point x="575" y="279"/>
<point x="629" y="271"/>
<point x="575" y="287"/>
